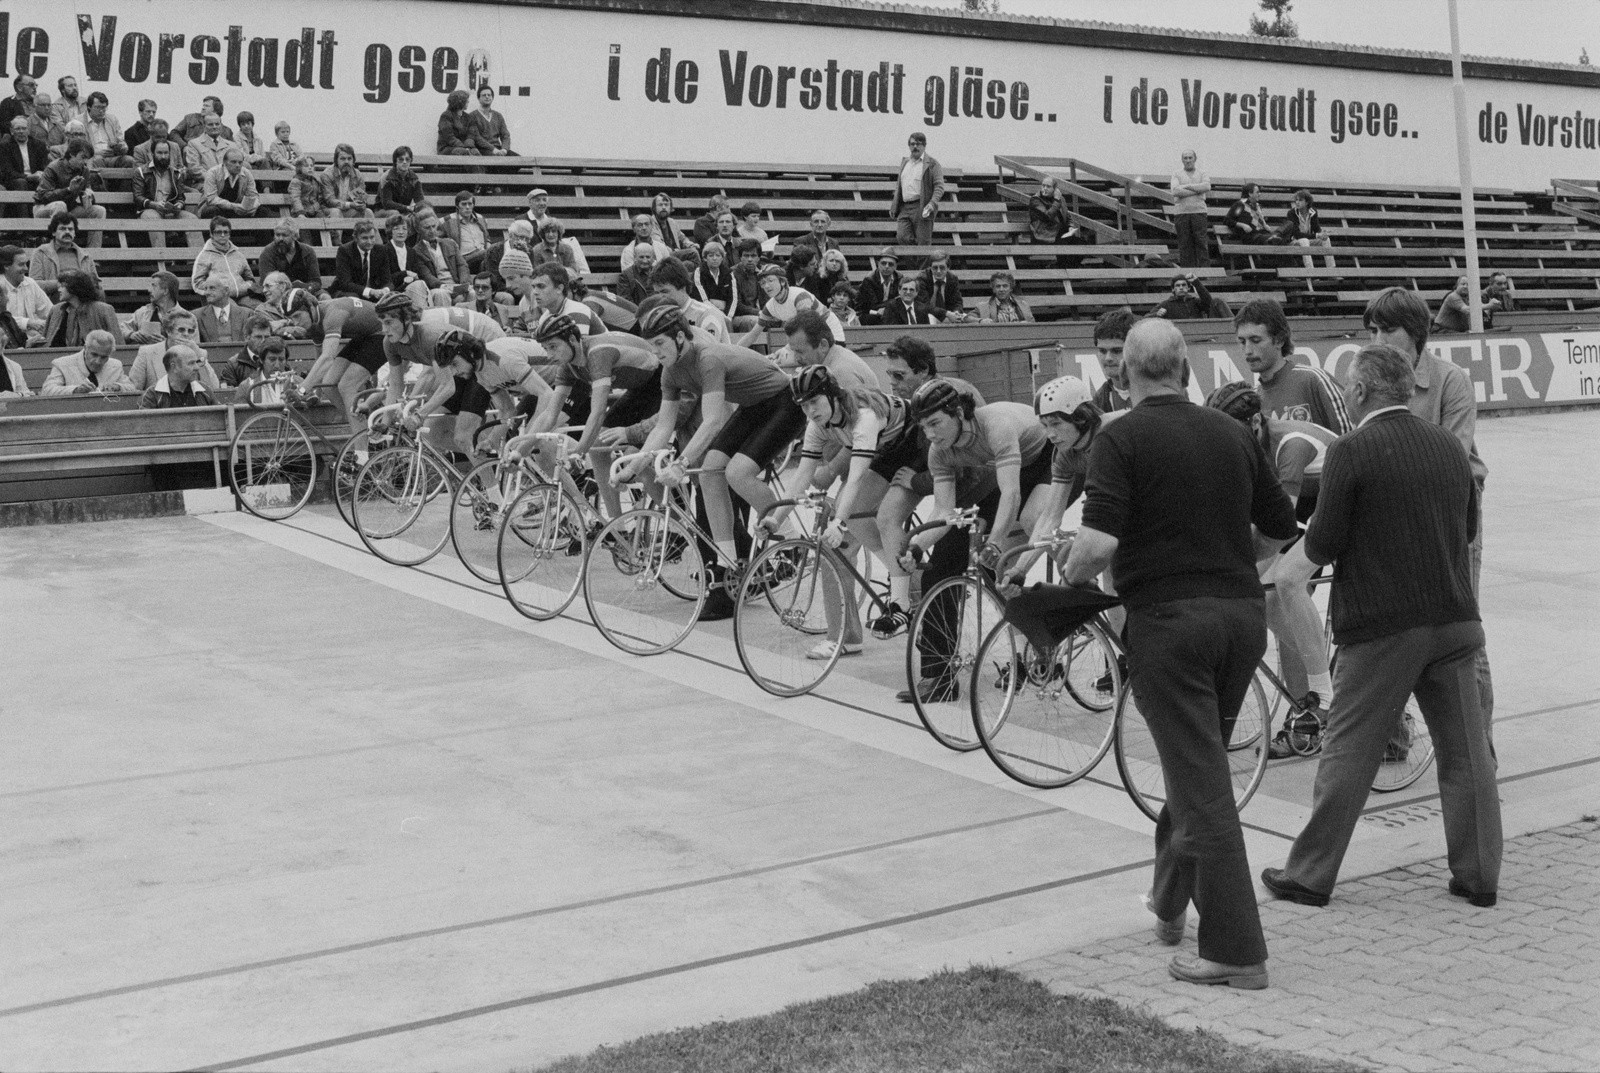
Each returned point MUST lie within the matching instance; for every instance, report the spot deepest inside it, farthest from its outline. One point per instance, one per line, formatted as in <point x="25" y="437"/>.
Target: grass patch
<point x="979" y="1021"/>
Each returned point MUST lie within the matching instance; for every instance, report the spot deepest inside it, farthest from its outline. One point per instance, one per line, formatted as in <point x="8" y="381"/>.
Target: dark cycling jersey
<point x="348" y="318"/>
<point x="611" y="354"/>
<point x="744" y="376"/>
<point x="420" y="347"/>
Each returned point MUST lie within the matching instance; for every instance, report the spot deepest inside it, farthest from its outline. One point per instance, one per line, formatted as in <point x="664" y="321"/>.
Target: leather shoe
<point x="1200" y="971"/>
<point x="1169" y="932"/>
<point x="1481" y="901"/>
<point x="932" y="691"/>
<point x="1278" y="882"/>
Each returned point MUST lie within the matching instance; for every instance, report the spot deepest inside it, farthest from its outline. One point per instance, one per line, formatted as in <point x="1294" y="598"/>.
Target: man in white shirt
<point x="642" y="233"/>
<point x="916" y="193"/>
<point x="25" y="300"/>
<point x="1190" y="187"/>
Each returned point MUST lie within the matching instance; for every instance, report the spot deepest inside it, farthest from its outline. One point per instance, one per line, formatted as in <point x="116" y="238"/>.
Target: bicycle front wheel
<point x="540" y="548"/>
<point x="780" y="620"/>
<point x="644" y="582"/>
<point x="1030" y="720"/>
<point x="272" y="466"/>
<point x="1139" y="763"/>
<point x="477" y="510"/>
<point x="401" y="506"/>
<point x="346" y="469"/>
<point x="1407" y="754"/>
<point x="946" y="633"/>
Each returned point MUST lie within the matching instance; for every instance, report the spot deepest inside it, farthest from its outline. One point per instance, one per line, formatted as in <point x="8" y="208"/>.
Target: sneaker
<point x="824" y="649"/>
<point x="891" y="623"/>
<point x="1105" y="683"/>
<point x="718" y="606"/>
<point x="1301" y="734"/>
<point x="944" y="690"/>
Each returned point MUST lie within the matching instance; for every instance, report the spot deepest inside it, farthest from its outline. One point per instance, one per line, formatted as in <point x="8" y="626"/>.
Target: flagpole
<point x="1469" y="215"/>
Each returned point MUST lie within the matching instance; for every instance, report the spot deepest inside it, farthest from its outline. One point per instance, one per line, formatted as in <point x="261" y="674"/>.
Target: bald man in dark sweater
<point x="1397" y="511"/>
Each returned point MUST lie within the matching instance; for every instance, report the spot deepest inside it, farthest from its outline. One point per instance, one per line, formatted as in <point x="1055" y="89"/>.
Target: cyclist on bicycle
<point x="994" y="457"/>
<point x="352" y="344"/>
<point x="461" y="401"/>
<point x="1296" y="449"/>
<point x="747" y="416"/>
<point x="480" y="326"/>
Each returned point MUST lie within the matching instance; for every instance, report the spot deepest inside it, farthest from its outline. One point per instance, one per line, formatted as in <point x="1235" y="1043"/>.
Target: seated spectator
<point x="104" y="131"/>
<point x="489" y="125"/>
<point x="364" y="267"/>
<point x="146" y="323"/>
<point x="193" y="125"/>
<point x="1245" y="220"/>
<point x="219" y="257"/>
<point x="246" y="362"/>
<point x="835" y="270"/>
<point x="671" y="278"/>
<point x="713" y="280"/>
<point x="818" y="235"/>
<point x="449" y="268"/>
<point x="906" y="308"/>
<point x="282" y="152"/>
<point x="230" y="189"/>
<point x="1501" y="290"/>
<point x="44" y="125"/>
<point x="59" y="254"/>
<point x="547" y="292"/>
<point x="21" y="103"/>
<point x="144" y="153"/>
<point x="180" y="385"/>
<point x="480" y="299"/>
<point x="22" y="160"/>
<point x="180" y="328"/>
<point x="414" y="272"/>
<point x="661" y="225"/>
<point x="68" y="186"/>
<point x="79" y="312"/>
<point x="727" y="231"/>
<point x="879" y="288"/>
<point x="255" y="153"/>
<point x="468" y="230"/>
<point x="750" y="223"/>
<point x="1048" y="219"/>
<point x="804" y="271"/>
<point x="288" y="255"/>
<point x="205" y="150"/>
<point x="538" y="208"/>
<point x="519" y="236"/>
<point x="222" y="320"/>
<point x="842" y="304"/>
<point x="554" y="248"/>
<point x="458" y="134"/>
<point x="746" y="278"/>
<point x="1003" y="306"/>
<point x="257" y="384"/>
<point x="347" y="185"/>
<point x="68" y="105"/>
<point x="1455" y="315"/>
<point x="634" y="283"/>
<point x="160" y="192"/>
<point x="1189" y="300"/>
<point x="1301" y="226"/>
<point x="87" y="370"/>
<point x="643" y="235"/>
<point x="705" y="228"/>
<point x="400" y="192"/>
<point x="938" y="286"/>
<point x="138" y="132"/>
<point x="309" y="193"/>
<point x="13" y="384"/>
<point x="275" y="287"/>
<point x="25" y="300"/>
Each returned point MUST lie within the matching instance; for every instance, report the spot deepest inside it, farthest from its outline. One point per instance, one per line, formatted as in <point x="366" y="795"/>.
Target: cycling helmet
<point x="561" y="326"/>
<point x="659" y="315"/>
<point x="937" y="396"/>
<point x="396" y="305"/>
<point x="1238" y="400"/>
<point x="814" y="380"/>
<point x="1061" y="396"/>
<point x="773" y="270"/>
<point x="301" y="300"/>
<point x="459" y="344"/>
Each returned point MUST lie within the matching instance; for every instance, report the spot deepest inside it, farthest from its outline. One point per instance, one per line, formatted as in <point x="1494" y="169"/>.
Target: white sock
<point x="900" y="589"/>
<point x="1321" y="685"/>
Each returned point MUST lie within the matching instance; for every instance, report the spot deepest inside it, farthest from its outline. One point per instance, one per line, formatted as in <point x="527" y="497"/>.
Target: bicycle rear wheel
<point x="780" y="617"/>
<point x="402" y="506"/>
<point x="540" y="547"/>
<point x="477" y="510"/>
<point x="1403" y="764"/>
<point x="1139" y="763"/>
<point x="946" y="632"/>
<point x="346" y="469"/>
<point x="644" y="582"/>
<point x="1038" y="732"/>
<point x="272" y="466"/>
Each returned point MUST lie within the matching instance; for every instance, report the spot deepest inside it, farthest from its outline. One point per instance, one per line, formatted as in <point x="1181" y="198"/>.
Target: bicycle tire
<point x="272" y="466"/>
<point x="970" y="611"/>
<point x="540" y="549"/>
<point x="1399" y="773"/>
<point x="781" y="610"/>
<point x="346" y="469"/>
<point x="1037" y="732"/>
<point x="401" y="507"/>
<point x="477" y="510"/>
<point x="635" y="576"/>
<point x="1139" y="763"/>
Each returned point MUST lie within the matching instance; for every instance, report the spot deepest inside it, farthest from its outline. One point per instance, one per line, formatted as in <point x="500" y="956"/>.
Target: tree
<point x="981" y="7"/>
<point x="1280" y="26"/>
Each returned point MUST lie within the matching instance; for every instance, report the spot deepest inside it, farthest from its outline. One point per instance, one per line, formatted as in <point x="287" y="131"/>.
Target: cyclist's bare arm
<point x="599" y="401"/>
<point x="1055" y="505"/>
<point x="714" y="414"/>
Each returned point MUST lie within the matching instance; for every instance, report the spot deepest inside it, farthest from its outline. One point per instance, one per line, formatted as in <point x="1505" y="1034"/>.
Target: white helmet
<point x="1061" y="396"/>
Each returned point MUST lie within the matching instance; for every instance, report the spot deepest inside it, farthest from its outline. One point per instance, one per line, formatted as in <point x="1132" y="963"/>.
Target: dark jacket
<point x="347" y="277"/>
<point x="943" y="298"/>
<point x="415" y="262"/>
<point x="932" y="184"/>
<point x="68" y="327"/>
<point x="749" y="291"/>
<point x="157" y="398"/>
<point x="211" y="331"/>
<point x="398" y="193"/>
<point x="895" y="313"/>
<point x="1193" y="306"/>
<point x="634" y="285"/>
<point x="15" y="166"/>
<point x="455" y="265"/>
<point x="1292" y="228"/>
<point x="55" y="184"/>
<point x="1047" y="218"/>
<point x="300" y="266"/>
<point x="871" y="295"/>
<point x="1242" y="224"/>
<point x="144" y="186"/>
<point x="457" y="131"/>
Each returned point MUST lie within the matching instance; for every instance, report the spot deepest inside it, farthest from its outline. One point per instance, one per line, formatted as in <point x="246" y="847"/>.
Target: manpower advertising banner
<point x="607" y="82"/>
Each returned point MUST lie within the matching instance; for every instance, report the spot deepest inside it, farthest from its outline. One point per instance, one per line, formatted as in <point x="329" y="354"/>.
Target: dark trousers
<point x="1193" y="237"/>
<point x="1371" y="683"/>
<point x="911" y="227"/>
<point x="1191" y="663"/>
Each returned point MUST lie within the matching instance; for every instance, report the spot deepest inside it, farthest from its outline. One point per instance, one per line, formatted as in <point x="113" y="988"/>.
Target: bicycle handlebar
<point x="966" y="518"/>
<point x="620" y="461"/>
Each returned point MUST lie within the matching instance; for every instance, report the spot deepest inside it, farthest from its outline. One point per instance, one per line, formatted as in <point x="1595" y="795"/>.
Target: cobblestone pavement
<point x="1397" y="974"/>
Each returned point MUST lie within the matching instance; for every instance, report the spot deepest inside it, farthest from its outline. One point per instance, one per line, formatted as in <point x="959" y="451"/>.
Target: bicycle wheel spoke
<point x="272" y="466"/>
<point x="782" y="617"/>
<point x="540" y="543"/>
<point x="346" y="470"/>
<point x="402" y="506"/>
<point x="1407" y="754"/>
<point x="947" y="631"/>
<point x="643" y="582"/>
<point x="476" y="511"/>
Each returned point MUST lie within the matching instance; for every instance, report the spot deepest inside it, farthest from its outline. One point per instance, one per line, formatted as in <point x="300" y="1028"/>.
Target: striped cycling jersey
<point x="480" y="326"/>
<point x="1000" y="435"/>
<point x="625" y="360"/>
<point x="880" y="420"/>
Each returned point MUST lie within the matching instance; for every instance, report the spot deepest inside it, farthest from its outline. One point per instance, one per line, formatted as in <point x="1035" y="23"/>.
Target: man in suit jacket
<point x="448" y="264"/>
<point x="22" y="159"/>
<point x="905" y="309"/>
<point x="90" y="369"/>
<point x="881" y="287"/>
<point x="1396" y="514"/>
<point x="937" y="286"/>
<point x="287" y="254"/>
<point x="364" y="267"/>
<point x="222" y="320"/>
<point x="917" y="190"/>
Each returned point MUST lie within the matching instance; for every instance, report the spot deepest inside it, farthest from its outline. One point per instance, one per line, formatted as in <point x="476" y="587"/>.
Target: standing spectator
<point x="879" y="288"/>
<point x="1245" y="221"/>
<point x="364" y="267"/>
<point x="230" y="189"/>
<point x="400" y="191"/>
<point x="60" y="253"/>
<point x="1395" y="515"/>
<point x="287" y="254"/>
<point x="458" y="134"/>
<point x="1189" y="300"/>
<point x="917" y="192"/>
<point x="1190" y="187"/>
<point x="445" y="256"/>
<point x="138" y="132"/>
<point x="21" y="103"/>
<point x="44" y="125"/>
<point x="1003" y="306"/>
<point x="347" y="184"/>
<point x="1173" y="492"/>
<point x="1289" y="390"/>
<point x="940" y="289"/>
<point x="705" y="228"/>
<point x="159" y="193"/>
<point x="661" y="225"/>
<point x="1302" y="227"/>
<point x="282" y="152"/>
<point x="644" y="234"/>
<point x="25" y="300"/>
<point x="1442" y="396"/>
<point x="489" y="125"/>
<point x="146" y="323"/>
<point x="222" y="320"/>
<point x="67" y="106"/>
<point x="205" y="150"/>
<point x="181" y="386"/>
<point x="309" y="193"/>
<point x="193" y="125"/>
<point x="750" y="224"/>
<point x="22" y="160"/>
<point x="79" y="312"/>
<point x="1110" y="333"/>
<point x="220" y="258"/>
<point x="68" y="185"/>
<point x="1048" y="219"/>
<point x="818" y="235"/>
<point x="467" y="230"/>
<point x="88" y="370"/>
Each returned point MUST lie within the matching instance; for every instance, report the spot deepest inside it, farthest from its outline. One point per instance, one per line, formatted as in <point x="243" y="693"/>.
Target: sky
<point x="1548" y="31"/>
